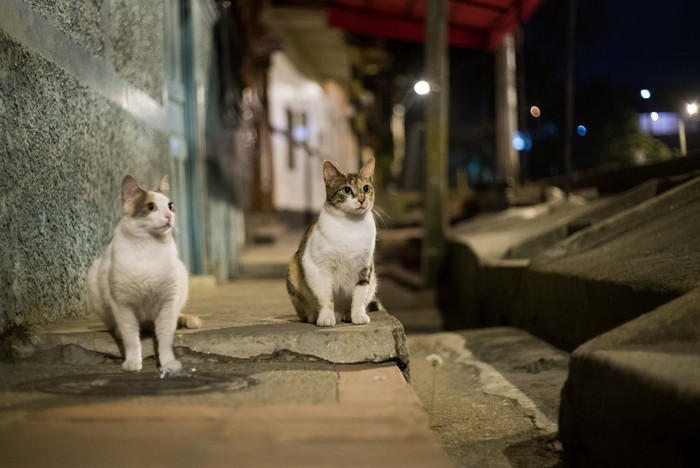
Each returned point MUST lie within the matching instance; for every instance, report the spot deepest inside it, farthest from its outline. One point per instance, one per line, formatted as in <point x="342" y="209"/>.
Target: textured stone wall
<point x="136" y="34"/>
<point x="83" y="102"/>
<point x="81" y="20"/>
<point x="63" y="152"/>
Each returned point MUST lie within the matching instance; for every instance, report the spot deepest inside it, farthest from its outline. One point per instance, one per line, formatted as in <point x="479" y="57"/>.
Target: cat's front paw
<point x="360" y="318"/>
<point x="172" y="366"/>
<point x="131" y="365"/>
<point x="326" y="319"/>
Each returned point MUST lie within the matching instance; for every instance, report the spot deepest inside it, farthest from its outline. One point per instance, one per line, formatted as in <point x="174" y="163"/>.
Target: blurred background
<point x="241" y="101"/>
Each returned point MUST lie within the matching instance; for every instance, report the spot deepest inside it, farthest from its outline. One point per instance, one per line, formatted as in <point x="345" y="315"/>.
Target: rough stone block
<point x="486" y="258"/>
<point x="632" y="397"/>
<point x="615" y="270"/>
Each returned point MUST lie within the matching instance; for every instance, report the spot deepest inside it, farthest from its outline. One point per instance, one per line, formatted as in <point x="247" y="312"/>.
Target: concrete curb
<point x="633" y="394"/>
<point x="487" y="258"/>
<point x="610" y="273"/>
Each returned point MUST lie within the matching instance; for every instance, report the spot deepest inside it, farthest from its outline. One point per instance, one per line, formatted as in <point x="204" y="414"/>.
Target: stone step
<point x="632" y="397"/>
<point x="487" y="257"/>
<point x="615" y="270"/>
<point x="246" y="319"/>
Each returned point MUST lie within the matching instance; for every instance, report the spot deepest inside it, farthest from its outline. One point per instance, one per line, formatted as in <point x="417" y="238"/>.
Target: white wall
<point x="327" y="133"/>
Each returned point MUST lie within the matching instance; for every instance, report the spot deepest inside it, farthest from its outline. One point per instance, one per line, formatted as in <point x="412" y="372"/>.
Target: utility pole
<point x="436" y="122"/>
<point x="508" y="167"/>
<point x="570" y="76"/>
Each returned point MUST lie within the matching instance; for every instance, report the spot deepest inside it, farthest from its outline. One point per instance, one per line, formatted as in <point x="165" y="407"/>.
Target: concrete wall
<point x="85" y="97"/>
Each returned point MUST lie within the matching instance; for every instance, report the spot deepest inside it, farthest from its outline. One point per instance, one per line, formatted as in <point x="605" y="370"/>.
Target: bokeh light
<point x="422" y="87"/>
<point x="518" y="142"/>
<point x="522" y="141"/>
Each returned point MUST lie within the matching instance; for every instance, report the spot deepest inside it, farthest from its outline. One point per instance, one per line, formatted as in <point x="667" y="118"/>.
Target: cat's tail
<point x="189" y="321"/>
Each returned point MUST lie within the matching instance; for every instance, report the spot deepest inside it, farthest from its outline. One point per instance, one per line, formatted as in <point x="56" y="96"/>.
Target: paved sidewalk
<point x="264" y="389"/>
<point x="374" y="419"/>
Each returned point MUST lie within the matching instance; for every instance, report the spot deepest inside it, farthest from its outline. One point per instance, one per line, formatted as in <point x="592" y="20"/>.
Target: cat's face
<point x="150" y="211"/>
<point x="349" y="193"/>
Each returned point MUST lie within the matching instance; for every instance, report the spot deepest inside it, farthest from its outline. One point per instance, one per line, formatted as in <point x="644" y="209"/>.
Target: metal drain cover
<point x="139" y="384"/>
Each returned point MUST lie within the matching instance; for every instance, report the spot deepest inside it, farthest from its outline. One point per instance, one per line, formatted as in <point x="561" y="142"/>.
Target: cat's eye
<point x="151" y="206"/>
<point x="171" y="206"/>
<point x="366" y="188"/>
<point x="347" y="190"/>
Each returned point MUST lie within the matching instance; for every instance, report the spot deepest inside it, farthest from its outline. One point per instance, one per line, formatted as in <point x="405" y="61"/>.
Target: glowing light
<point x="422" y="87"/>
<point x="645" y="93"/>
<point x="518" y="143"/>
<point x="535" y="111"/>
<point x="299" y="133"/>
<point x="654" y="116"/>
<point x="581" y="130"/>
<point x="522" y="141"/>
<point x="692" y="108"/>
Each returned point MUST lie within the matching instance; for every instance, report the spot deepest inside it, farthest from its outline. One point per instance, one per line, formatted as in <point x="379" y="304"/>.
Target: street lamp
<point x="691" y="108"/>
<point x="421" y="87"/>
<point x="398" y="124"/>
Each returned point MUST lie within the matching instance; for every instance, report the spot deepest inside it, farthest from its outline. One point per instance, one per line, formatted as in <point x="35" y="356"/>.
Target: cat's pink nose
<point x="169" y="217"/>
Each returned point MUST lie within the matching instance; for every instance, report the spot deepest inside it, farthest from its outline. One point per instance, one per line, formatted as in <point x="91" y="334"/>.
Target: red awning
<point x="480" y="24"/>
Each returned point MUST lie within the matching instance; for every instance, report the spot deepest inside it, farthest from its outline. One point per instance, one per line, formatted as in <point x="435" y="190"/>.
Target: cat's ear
<point x="131" y="194"/>
<point x="330" y="173"/>
<point x="367" y="171"/>
<point x="164" y="186"/>
<point x="131" y="190"/>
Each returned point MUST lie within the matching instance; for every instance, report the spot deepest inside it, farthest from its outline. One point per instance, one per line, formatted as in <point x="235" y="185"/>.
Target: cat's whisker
<point x="383" y="212"/>
<point x="380" y="216"/>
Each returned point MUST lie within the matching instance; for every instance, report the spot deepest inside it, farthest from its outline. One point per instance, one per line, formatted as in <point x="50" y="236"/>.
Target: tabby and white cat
<point x="139" y="281"/>
<point x="331" y="277"/>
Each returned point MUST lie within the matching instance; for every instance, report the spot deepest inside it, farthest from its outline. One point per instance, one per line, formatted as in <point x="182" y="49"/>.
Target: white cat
<point x="331" y="277"/>
<point x="139" y="281"/>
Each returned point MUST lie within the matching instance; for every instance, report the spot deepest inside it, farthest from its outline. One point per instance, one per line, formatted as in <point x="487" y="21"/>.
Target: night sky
<point x="641" y="43"/>
<point x="649" y="40"/>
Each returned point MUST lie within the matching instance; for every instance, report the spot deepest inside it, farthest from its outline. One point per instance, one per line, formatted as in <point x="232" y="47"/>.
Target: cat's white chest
<point x="145" y="270"/>
<point x="341" y="248"/>
<point x="346" y="238"/>
<point x="152" y="273"/>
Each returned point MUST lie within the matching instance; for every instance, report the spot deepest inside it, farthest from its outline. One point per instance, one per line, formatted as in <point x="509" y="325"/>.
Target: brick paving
<point x="376" y="421"/>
